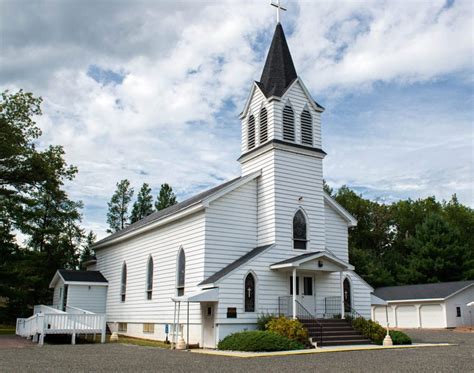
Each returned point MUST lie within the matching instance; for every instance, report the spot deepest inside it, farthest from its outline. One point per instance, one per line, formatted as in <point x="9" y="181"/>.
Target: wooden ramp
<point x="49" y="320"/>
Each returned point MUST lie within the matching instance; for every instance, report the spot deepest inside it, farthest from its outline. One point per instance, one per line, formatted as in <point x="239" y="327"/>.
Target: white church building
<point x="268" y="241"/>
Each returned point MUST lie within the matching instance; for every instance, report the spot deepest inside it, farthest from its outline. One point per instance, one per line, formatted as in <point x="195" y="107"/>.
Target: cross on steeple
<point x="279" y="7"/>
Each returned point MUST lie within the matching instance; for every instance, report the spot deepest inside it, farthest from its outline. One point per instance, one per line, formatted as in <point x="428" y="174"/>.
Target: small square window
<point x="122" y="327"/>
<point x="149" y="295"/>
<point x="231" y="313"/>
<point x="148" y="328"/>
<point x="458" y="311"/>
<point x="180" y="291"/>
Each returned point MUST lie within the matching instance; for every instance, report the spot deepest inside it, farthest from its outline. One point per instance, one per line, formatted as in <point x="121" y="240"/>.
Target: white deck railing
<point x="48" y="320"/>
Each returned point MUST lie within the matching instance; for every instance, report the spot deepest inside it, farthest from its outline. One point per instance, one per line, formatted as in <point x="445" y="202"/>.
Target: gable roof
<point x="234" y="265"/>
<point x="206" y="196"/>
<point x="346" y="215"/>
<point x="279" y="71"/>
<point x="73" y="276"/>
<point x="440" y="290"/>
<point x="303" y="258"/>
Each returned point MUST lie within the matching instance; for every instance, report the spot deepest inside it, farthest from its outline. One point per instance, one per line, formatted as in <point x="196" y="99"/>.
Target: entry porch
<point x="317" y="286"/>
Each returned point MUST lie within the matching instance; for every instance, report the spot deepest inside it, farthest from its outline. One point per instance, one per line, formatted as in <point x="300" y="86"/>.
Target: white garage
<point x="441" y="305"/>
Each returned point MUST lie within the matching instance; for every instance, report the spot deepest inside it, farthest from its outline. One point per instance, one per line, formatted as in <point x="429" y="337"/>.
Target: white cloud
<point x="185" y="62"/>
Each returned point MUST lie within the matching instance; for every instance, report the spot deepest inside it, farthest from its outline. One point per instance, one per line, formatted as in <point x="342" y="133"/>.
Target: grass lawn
<point x="7" y="329"/>
<point x="135" y="341"/>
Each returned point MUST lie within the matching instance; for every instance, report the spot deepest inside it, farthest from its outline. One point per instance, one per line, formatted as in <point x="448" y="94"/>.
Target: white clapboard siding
<point x="163" y="244"/>
<point x="336" y="233"/>
<point x="57" y="293"/>
<point x="90" y="298"/>
<point x="231" y="227"/>
<point x="265" y="195"/>
<point x="298" y="184"/>
<point x="299" y="101"/>
<point x="361" y="298"/>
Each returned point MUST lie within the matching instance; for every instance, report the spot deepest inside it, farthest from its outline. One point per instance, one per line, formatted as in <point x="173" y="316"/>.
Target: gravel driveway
<point x="117" y="357"/>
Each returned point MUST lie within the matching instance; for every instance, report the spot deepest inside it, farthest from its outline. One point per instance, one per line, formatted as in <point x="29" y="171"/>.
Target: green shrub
<point x="399" y="338"/>
<point x="257" y="340"/>
<point x="376" y="332"/>
<point x="263" y="320"/>
<point x="288" y="328"/>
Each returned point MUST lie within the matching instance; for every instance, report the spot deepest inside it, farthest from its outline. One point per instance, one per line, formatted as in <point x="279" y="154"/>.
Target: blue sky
<point x="152" y="93"/>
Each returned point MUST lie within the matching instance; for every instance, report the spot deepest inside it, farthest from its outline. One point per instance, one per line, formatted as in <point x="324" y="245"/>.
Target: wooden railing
<point x="75" y="321"/>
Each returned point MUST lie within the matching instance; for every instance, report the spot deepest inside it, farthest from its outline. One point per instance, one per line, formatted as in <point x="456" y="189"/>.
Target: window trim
<point x="260" y="132"/>
<point x="305" y="109"/>
<point x="250" y="273"/>
<point x="251" y="140"/>
<point x="288" y="104"/>
<point x="149" y="280"/>
<point x="123" y="282"/>
<point x="300" y="240"/>
<point x="180" y="288"/>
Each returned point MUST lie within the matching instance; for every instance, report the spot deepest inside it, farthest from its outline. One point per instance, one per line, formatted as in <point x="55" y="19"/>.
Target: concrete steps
<point x="334" y="332"/>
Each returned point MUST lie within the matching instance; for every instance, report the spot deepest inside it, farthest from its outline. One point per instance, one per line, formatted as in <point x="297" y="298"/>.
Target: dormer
<point x="279" y="108"/>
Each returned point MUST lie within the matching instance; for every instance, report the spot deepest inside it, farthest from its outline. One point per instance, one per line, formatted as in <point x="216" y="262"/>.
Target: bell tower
<point x="281" y="136"/>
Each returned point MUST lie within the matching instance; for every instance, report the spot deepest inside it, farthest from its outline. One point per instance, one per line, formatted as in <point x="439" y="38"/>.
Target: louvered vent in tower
<point x="288" y="124"/>
<point x="306" y="128"/>
<point x="263" y="126"/>
<point x="251" y="133"/>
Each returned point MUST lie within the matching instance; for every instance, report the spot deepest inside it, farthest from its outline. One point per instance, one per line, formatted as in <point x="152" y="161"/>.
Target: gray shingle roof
<point x="235" y="264"/>
<point x="424" y="291"/>
<point x="297" y="258"/>
<point x="81" y="276"/>
<point x="159" y="215"/>
<point x="279" y="71"/>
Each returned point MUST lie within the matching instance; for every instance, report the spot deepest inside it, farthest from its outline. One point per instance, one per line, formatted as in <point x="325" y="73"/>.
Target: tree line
<point x="409" y="241"/>
<point x="118" y="216"/>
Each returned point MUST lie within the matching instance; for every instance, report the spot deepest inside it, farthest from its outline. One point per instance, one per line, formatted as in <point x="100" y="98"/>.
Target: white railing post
<point x="40" y="328"/>
<point x="73" y="338"/>
<point x="294" y="293"/>
<point x="104" y="329"/>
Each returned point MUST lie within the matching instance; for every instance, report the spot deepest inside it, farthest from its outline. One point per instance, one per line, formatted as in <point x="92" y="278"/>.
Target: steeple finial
<point x="279" y="7"/>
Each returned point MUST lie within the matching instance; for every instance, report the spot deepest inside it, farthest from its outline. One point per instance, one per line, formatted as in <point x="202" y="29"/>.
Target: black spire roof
<point x="279" y="71"/>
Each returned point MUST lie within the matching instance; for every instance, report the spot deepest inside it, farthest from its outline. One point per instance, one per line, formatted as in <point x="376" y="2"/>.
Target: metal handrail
<point x="353" y="314"/>
<point x="308" y="315"/>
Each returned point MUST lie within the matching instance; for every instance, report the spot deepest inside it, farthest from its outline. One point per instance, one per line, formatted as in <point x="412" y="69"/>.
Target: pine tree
<point x="87" y="251"/>
<point x="166" y="198"/>
<point x="143" y="206"/>
<point x="117" y="217"/>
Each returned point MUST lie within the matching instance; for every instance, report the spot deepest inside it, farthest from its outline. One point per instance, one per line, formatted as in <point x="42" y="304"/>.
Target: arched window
<point x="123" y="287"/>
<point x="149" y="278"/>
<point x="249" y="295"/>
<point x="306" y="128"/>
<point x="263" y="125"/>
<point x="181" y="272"/>
<point x="288" y="123"/>
<point x="251" y="132"/>
<point x="299" y="231"/>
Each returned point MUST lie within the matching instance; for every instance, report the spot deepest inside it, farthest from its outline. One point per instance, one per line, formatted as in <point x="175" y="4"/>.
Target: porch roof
<point x="298" y="261"/>
<point x="208" y="295"/>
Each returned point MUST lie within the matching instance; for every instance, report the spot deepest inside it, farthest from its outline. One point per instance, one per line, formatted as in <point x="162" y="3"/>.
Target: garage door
<point x="432" y="316"/>
<point x="380" y="315"/>
<point x="407" y="317"/>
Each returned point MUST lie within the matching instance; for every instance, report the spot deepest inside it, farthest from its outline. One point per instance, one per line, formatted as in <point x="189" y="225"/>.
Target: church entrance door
<point x="307" y="296"/>
<point x="208" y="326"/>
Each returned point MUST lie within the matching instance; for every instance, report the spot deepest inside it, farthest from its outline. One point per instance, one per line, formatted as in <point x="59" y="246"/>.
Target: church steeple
<point x="279" y="71"/>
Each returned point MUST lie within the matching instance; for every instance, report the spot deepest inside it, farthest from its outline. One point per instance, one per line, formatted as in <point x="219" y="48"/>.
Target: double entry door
<point x="305" y="294"/>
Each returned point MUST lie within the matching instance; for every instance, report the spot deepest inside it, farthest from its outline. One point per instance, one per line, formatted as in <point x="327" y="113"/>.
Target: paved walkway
<point x="128" y="358"/>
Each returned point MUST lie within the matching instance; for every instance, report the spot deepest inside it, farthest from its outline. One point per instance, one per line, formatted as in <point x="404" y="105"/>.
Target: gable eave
<point x="245" y="111"/>
<point x="351" y="221"/>
<point x="244" y="180"/>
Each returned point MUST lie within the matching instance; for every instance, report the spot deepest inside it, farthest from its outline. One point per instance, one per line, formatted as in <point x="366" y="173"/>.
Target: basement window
<point x="231" y="313"/>
<point x="148" y="328"/>
<point x="122" y="327"/>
